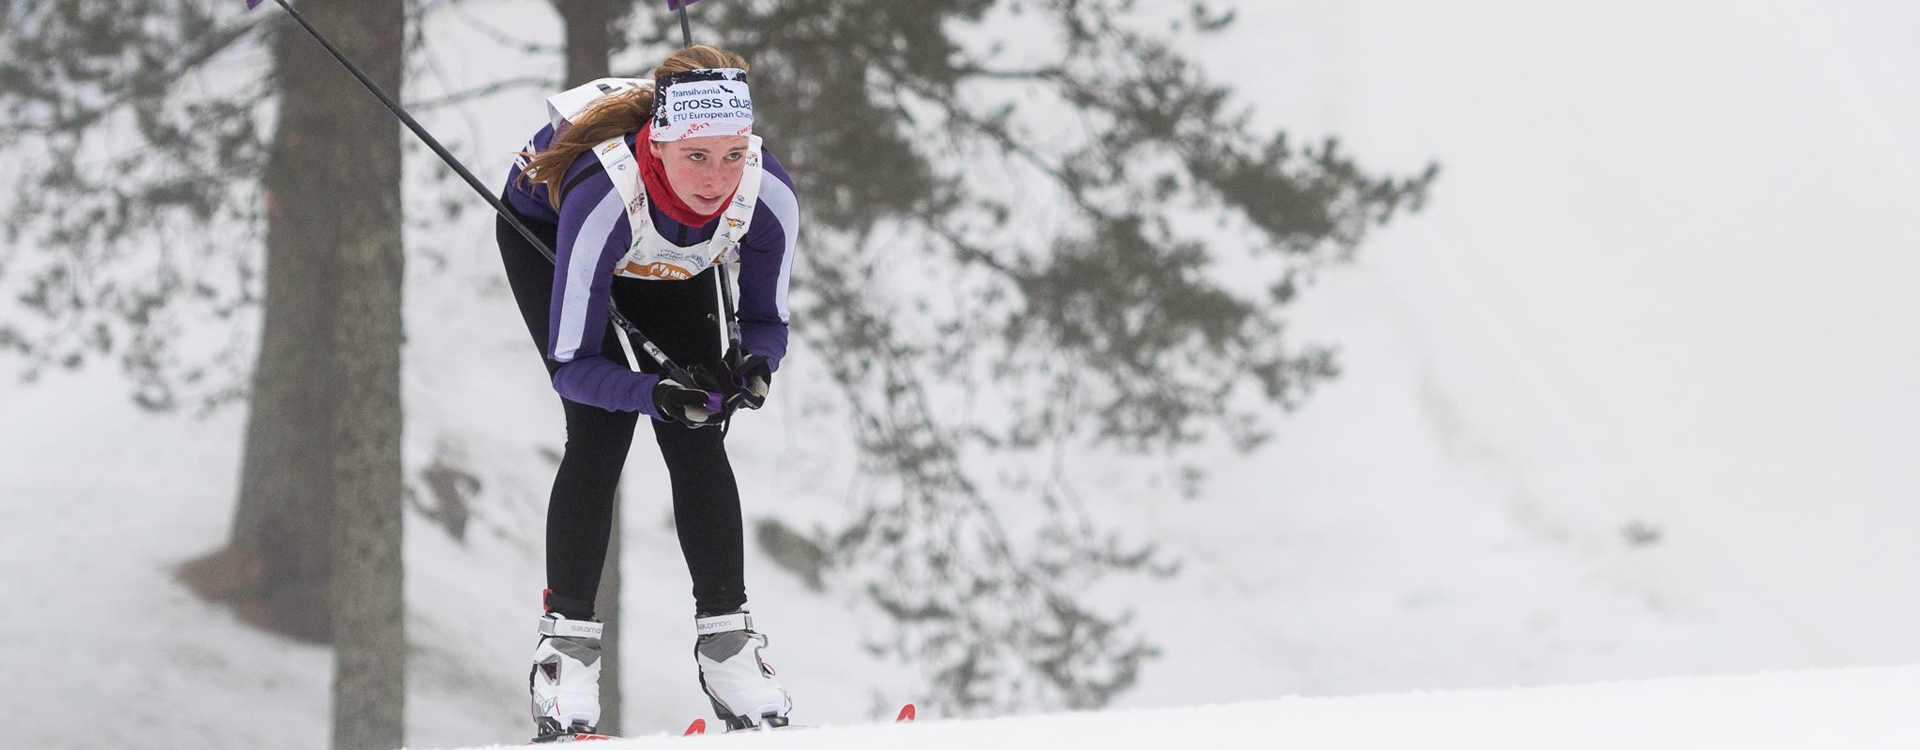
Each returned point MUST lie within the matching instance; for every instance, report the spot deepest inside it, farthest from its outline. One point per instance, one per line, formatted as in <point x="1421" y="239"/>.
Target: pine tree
<point x="138" y="128"/>
<point x="928" y="143"/>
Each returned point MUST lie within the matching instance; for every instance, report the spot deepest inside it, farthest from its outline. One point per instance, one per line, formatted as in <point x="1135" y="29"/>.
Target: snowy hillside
<point x="1633" y="398"/>
<point x="1856" y="709"/>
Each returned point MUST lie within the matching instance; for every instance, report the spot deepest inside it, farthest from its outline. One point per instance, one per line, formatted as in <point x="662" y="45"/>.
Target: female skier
<point x="643" y="188"/>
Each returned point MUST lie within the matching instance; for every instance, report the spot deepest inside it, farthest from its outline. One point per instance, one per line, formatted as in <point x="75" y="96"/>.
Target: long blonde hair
<point x="619" y="114"/>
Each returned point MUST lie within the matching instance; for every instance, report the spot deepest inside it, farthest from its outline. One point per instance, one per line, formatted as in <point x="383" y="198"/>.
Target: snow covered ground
<point x="1857" y="709"/>
<point x="1662" y="293"/>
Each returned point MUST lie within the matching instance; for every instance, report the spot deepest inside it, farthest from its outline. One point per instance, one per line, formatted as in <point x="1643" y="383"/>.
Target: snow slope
<point x="1858" y="709"/>
<point x="1664" y="283"/>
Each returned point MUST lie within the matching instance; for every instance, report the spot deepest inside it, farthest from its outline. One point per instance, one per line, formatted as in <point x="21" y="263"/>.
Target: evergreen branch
<point x="145" y="83"/>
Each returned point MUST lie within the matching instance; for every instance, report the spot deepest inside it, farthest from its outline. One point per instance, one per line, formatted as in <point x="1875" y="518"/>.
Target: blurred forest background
<point x="1144" y="354"/>
<point x="185" y="164"/>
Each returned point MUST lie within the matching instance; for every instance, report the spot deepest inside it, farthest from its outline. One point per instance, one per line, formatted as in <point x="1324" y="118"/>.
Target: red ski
<point x="576" y="737"/>
<point x="699" y="726"/>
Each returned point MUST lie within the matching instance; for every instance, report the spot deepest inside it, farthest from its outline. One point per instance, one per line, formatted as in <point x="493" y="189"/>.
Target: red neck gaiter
<point x="654" y="173"/>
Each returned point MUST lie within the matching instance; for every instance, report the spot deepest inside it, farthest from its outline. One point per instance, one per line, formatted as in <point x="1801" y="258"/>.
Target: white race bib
<point x="650" y="255"/>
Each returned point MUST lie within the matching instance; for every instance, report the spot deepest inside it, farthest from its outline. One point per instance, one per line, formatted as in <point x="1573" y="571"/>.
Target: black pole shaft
<point x="726" y="284"/>
<point x="653" y="351"/>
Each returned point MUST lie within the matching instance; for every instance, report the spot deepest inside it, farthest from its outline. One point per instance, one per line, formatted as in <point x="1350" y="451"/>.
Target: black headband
<point x="700" y="74"/>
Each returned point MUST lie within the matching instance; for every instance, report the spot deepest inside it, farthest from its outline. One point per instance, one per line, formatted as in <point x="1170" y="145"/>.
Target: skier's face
<point x="704" y="171"/>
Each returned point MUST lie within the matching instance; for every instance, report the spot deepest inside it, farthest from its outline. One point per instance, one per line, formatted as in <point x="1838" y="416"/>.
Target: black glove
<point x="682" y="405"/>
<point x="749" y="379"/>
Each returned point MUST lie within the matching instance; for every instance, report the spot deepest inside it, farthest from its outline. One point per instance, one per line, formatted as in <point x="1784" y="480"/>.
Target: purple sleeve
<point x="766" y="266"/>
<point x="593" y="237"/>
<point x="527" y="198"/>
<point x="602" y="382"/>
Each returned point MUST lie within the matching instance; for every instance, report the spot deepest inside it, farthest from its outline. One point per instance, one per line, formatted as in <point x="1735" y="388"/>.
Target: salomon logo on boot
<point x="742" y="687"/>
<point x="565" y="679"/>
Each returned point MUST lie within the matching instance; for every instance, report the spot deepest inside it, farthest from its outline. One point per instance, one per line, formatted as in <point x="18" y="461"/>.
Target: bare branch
<point x="459" y="97"/>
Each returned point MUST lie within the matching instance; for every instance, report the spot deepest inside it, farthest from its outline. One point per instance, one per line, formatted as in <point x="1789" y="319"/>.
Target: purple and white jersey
<point x="594" y="236"/>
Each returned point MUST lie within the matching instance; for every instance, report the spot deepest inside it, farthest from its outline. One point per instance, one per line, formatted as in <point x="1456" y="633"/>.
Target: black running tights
<point x="679" y="316"/>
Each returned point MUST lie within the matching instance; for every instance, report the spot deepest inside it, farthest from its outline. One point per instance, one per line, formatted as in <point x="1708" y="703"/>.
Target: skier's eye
<point x="697" y="156"/>
<point x="736" y="156"/>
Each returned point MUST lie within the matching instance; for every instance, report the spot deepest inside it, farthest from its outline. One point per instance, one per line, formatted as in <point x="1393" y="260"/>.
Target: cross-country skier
<point x="643" y="188"/>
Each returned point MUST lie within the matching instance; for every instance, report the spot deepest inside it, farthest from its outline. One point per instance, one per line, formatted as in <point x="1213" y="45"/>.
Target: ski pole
<point x="686" y="30"/>
<point x="726" y="282"/>
<point x="673" y="370"/>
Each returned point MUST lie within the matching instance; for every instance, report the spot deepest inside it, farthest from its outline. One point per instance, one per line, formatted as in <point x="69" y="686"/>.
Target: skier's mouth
<point x="707" y="200"/>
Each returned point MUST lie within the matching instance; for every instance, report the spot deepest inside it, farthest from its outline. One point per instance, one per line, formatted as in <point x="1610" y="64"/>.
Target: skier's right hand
<point x="682" y="405"/>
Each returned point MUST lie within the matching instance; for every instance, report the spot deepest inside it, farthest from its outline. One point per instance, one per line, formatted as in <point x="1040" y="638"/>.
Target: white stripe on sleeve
<point x="582" y="264"/>
<point x="780" y="199"/>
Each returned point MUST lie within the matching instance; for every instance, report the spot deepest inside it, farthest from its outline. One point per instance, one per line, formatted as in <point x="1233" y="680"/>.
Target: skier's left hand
<point x="750" y="379"/>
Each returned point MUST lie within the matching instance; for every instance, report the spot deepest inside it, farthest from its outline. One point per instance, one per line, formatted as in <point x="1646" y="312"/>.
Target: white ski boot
<point x="565" y="681"/>
<point x="743" y="689"/>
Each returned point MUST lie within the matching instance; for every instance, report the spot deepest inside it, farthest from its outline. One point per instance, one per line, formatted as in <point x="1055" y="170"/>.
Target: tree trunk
<point x="315" y="549"/>
<point x="370" y="646"/>
<point x="589" y="37"/>
<point x="607" y="604"/>
<point x="277" y="568"/>
<point x="588" y="30"/>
